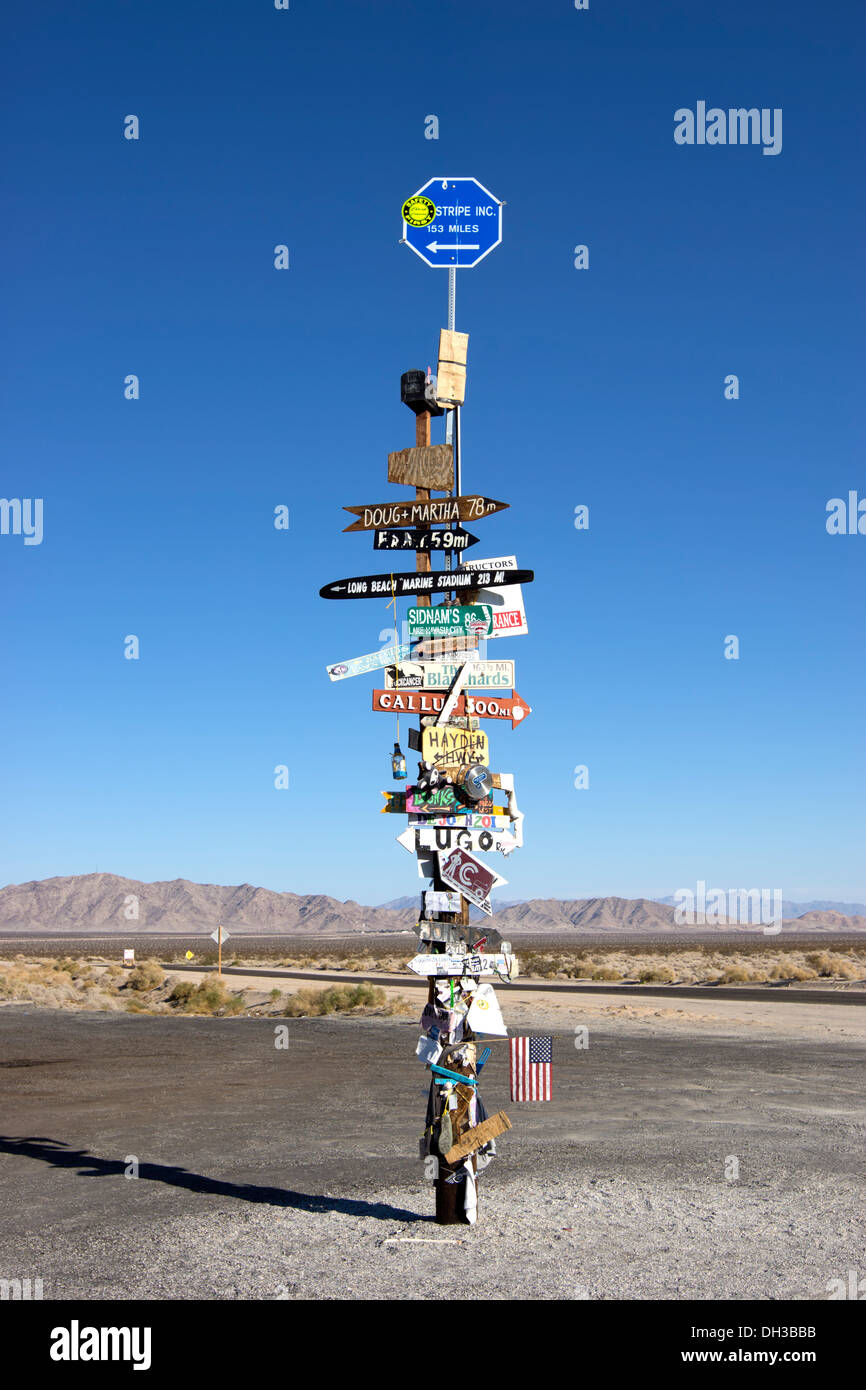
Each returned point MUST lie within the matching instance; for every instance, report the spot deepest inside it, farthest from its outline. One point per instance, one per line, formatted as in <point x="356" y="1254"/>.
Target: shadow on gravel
<point x="59" y="1155"/>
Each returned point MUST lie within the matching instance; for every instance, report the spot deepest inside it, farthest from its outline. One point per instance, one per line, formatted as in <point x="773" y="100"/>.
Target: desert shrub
<point x="656" y="974"/>
<point x="847" y="970"/>
<point x="181" y="992"/>
<point x="820" y="961"/>
<point x="605" y="972"/>
<point x="148" y="975"/>
<point x="736" y="975"/>
<point x="313" y="1003"/>
<point x="212" y="997"/>
<point x="831" y="965"/>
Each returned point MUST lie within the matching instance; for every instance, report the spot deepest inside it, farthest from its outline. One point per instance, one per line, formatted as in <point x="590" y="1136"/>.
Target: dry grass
<point x="667" y="964"/>
<point x="107" y="986"/>
<point x="663" y="962"/>
<point x="101" y="983"/>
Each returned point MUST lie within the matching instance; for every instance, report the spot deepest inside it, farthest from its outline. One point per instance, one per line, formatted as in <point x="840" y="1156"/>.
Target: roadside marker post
<point x="219" y="936"/>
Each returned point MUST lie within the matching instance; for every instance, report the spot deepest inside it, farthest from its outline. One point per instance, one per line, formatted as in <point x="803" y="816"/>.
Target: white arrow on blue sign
<point x="467" y="225"/>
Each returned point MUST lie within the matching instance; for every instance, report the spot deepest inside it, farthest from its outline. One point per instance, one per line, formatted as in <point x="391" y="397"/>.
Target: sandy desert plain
<point x="702" y="1146"/>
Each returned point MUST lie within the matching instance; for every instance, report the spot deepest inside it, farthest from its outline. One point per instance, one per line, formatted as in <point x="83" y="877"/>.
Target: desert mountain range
<point x="108" y="904"/>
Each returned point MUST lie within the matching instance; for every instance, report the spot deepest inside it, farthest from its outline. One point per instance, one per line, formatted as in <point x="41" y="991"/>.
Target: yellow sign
<point x="418" y="211"/>
<point x="445" y="743"/>
<point x="189" y="955"/>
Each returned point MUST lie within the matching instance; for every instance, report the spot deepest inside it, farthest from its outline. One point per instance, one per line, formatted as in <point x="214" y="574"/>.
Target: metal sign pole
<point x="449" y="421"/>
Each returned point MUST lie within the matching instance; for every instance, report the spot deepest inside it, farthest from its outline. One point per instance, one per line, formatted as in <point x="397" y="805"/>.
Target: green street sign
<point x="443" y="620"/>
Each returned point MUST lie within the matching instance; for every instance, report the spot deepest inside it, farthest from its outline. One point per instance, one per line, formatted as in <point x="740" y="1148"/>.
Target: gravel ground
<point x="268" y="1174"/>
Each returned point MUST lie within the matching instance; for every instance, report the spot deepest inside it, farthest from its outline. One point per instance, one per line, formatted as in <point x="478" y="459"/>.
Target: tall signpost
<point x="435" y="672"/>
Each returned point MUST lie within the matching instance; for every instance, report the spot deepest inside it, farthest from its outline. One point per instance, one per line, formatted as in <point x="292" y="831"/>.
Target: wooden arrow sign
<point x="499" y="707"/>
<point x="511" y="707"/>
<point x="452" y="538"/>
<point x="401" y="585"/>
<point x="440" y="801"/>
<point x="437" y="511"/>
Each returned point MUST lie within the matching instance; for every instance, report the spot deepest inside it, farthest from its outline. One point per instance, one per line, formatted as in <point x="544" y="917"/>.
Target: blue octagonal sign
<point x="463" y="223"/>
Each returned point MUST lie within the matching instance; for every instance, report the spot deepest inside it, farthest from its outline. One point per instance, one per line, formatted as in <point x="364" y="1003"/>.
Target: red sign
<point x="430" y="702"/>
<point x="469" y="876"/>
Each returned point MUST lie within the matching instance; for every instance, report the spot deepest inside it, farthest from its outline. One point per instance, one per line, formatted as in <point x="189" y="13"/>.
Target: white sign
<point x="373" y="661"/>
<point x="509" y="615"/>
<point x="485" y="1015"/>
<point x="446" y="837"/>
<point x="215" y="935"/>
<point x="128" y="956"/>
<point x="440" y="902"/>
<point x="476" y="963"/>
<point x="486" y="677"/>
<point x="423" y="837"/>
<point x="473" y="820"/>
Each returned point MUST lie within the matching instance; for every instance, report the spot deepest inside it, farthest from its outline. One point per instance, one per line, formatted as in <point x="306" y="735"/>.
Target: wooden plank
<point x="453" y="346"/>
<point x="478" y="1136"/>
<point x="448" y="745"/>
<point x="430" y="467"/>
<point x="451" y="370"/>
<point x="431" y="648"/>
<point x="451" y="384"/>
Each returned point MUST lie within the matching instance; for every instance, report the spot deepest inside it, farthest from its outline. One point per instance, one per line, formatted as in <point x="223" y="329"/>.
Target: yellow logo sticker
<point x="418" y="212"/>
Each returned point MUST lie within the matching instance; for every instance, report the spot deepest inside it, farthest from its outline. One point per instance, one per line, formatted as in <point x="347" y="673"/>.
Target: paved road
<point x="776" y="993"/>
<point x="675" y="1166"/>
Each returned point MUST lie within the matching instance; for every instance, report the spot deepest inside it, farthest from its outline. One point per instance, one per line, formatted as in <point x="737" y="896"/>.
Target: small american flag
<point x="531" y="1068"/>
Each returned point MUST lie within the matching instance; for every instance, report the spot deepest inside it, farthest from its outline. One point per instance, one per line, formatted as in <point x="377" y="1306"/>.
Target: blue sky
<point x="602" y="387"/>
